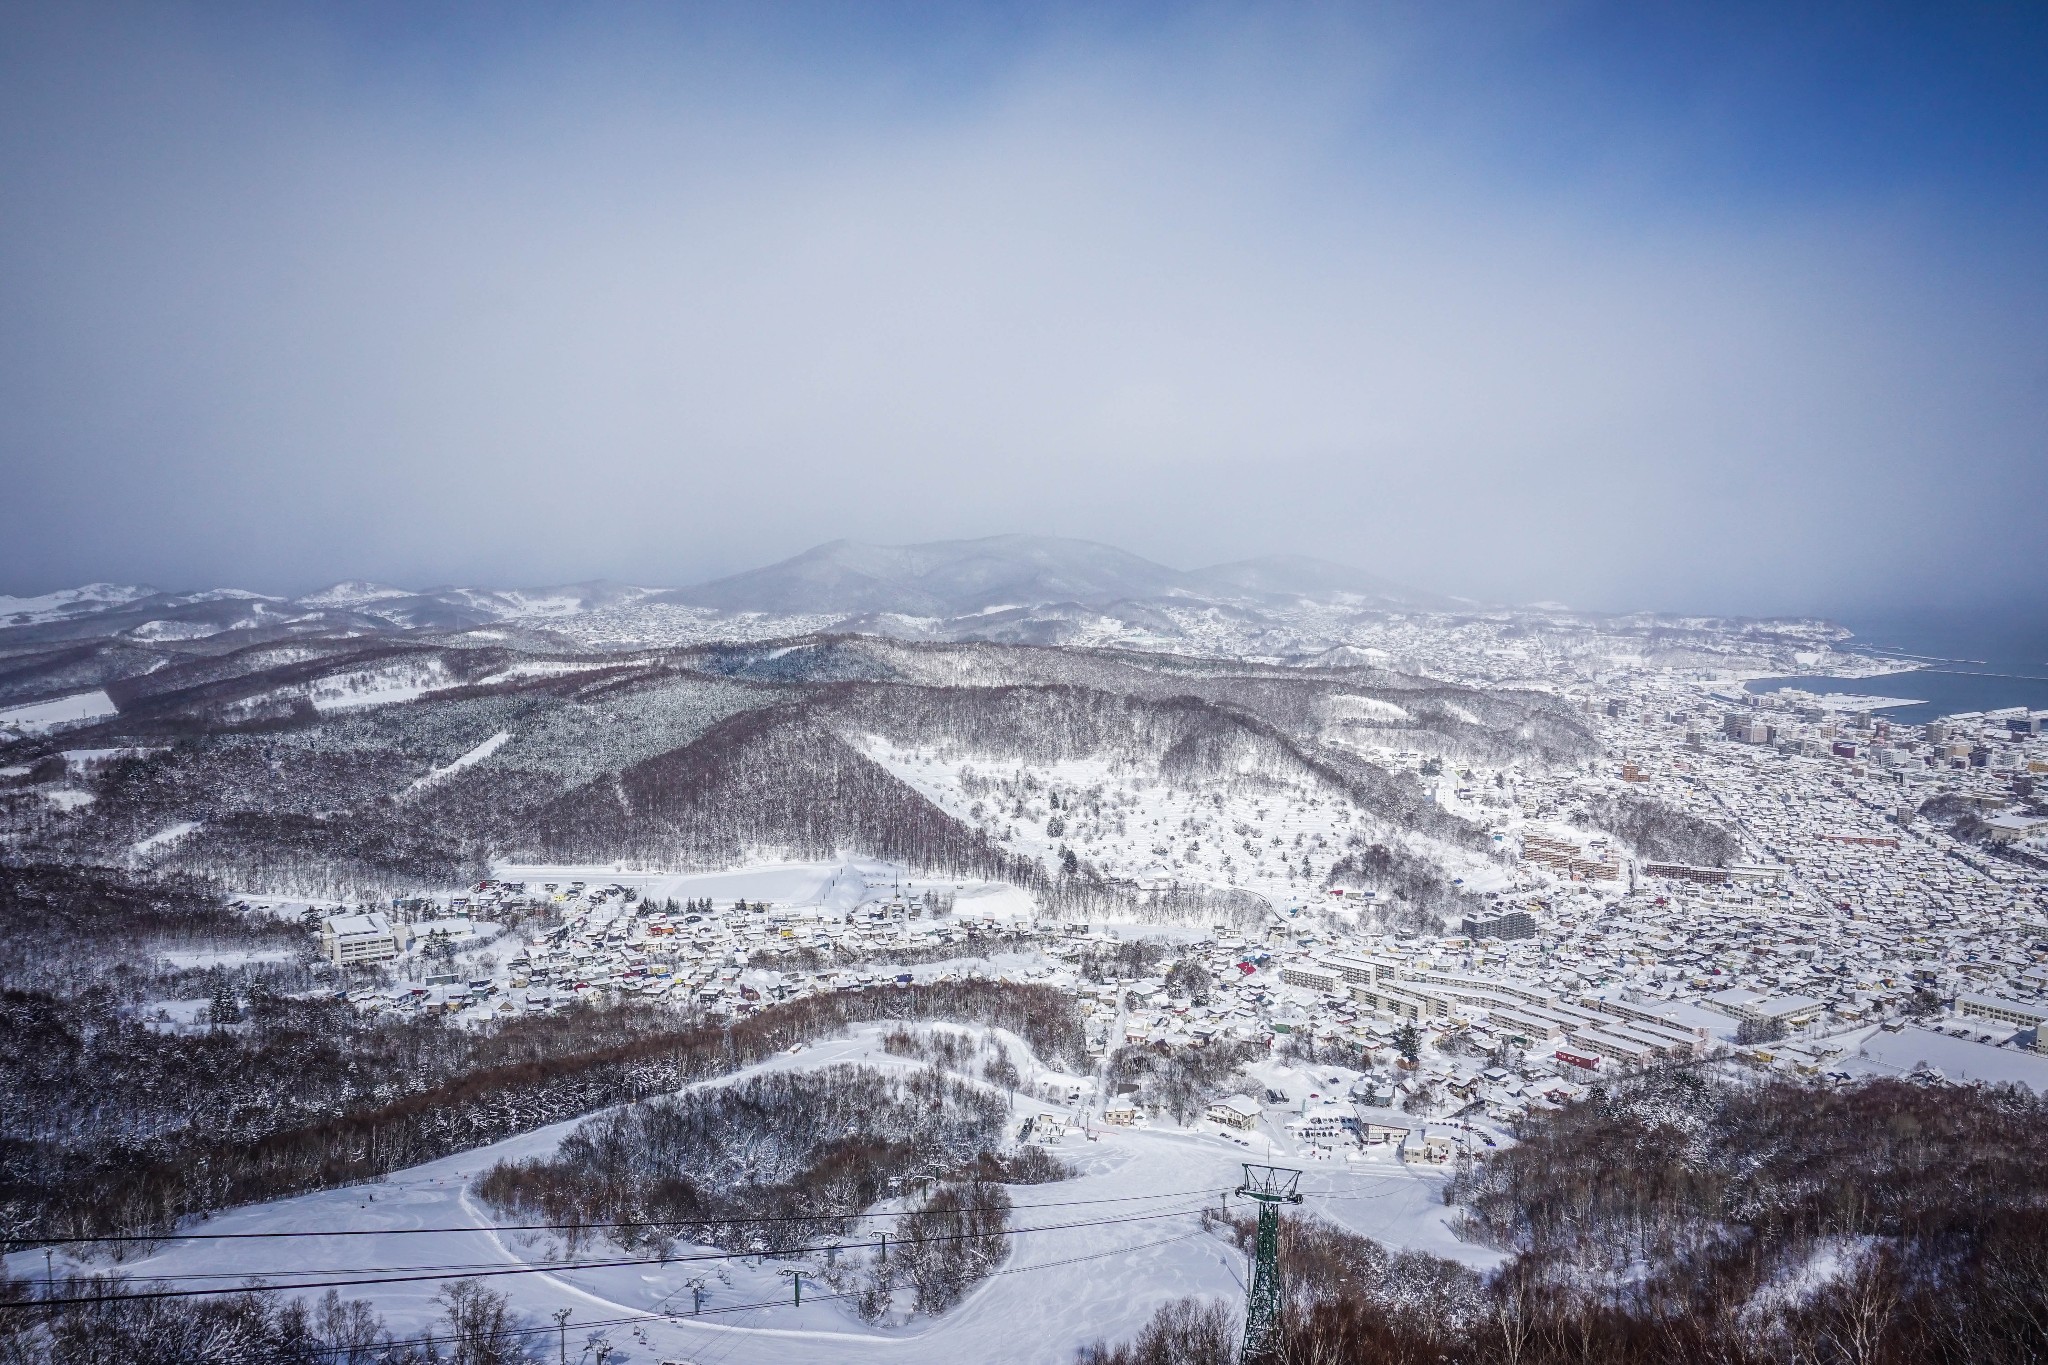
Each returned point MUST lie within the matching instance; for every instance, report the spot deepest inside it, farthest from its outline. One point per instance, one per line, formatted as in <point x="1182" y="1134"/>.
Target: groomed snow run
<point x="468" y="760"/>
<point x="162" y="839"/>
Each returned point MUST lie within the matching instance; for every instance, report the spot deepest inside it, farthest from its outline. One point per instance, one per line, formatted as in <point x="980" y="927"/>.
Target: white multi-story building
<point x="2019" y="1013"/>
<point x="348" y="940"/>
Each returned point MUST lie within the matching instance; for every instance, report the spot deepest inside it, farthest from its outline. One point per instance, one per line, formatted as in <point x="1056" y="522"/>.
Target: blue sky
<point x="1729" y="307"/>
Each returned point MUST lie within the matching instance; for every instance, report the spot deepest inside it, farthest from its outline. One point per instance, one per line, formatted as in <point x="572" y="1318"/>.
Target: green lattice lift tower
<point x="1270" y="1186"/>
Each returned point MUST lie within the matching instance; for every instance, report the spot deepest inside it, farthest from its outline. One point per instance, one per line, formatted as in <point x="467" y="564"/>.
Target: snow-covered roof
<point x="1957" y="1059"/>
<point x="367" y="922"/>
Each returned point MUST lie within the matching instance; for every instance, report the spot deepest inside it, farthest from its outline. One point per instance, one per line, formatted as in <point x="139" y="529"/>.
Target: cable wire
<point x="435" y="1273"/>
<point x="110" y="1239"/>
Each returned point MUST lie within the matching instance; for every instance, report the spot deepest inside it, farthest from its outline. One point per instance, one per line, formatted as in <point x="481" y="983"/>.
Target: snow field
<point x="382" y="686"/>
<point x="35" y="718"/>
<point x="162" y="839"/>
<point x="543" y="668"/>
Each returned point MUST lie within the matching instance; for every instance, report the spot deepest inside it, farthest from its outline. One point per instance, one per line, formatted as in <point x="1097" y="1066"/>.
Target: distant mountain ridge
<point x="1015" y="577"/>
<point x="960" y="577"/>
<point x="101" y="610"/>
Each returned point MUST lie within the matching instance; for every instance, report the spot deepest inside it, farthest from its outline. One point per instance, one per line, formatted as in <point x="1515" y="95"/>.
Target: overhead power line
<point x="429" y="1274"/>
<point x="113" y="1239"/>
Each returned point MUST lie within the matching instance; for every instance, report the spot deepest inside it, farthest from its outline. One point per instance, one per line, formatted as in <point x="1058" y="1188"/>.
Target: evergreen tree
<point x="225" y="1009"/>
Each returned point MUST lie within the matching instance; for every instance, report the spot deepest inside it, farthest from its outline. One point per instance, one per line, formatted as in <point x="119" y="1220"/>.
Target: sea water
<point x="1969" y="660"/>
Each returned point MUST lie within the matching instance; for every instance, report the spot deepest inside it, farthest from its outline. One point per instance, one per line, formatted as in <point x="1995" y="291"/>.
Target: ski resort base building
<point x="1236" y="1111"/>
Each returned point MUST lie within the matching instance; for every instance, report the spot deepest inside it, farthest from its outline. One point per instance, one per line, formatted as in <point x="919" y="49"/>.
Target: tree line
<point x="115" y="1128"/>
<point x="99" y="1321"/>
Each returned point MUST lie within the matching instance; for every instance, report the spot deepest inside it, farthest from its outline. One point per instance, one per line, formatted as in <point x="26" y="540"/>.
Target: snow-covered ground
<point x="92" y="760"/>
<point x="542" y="668"/>
<point x="56" y="606"/>
<point x="281" y="907"/>
<point x="222" y="957"/>
<point x="1114" y="1243"/>
<point x="1276" y="836"/>
<point x="1960" y="1061"/>
<point x="833" y="888"/>
<point x="381" y="686"/>
<point x="35" y="718"/>
<point x="162" y="839"/>
<point x="467" y="760"/>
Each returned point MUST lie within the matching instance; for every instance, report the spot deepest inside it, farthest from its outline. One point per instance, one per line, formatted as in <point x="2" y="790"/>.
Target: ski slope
<point x="1110" y="1246"/>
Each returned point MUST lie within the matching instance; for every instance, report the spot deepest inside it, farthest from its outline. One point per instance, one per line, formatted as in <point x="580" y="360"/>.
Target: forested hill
<point x="332" y="764"/>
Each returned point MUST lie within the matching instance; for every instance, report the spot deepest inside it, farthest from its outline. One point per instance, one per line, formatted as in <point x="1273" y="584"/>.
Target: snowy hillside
<point x="1110" y="1245"/>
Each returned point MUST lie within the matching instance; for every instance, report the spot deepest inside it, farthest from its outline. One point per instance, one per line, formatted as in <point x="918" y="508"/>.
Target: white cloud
<point x="587" y="312"/>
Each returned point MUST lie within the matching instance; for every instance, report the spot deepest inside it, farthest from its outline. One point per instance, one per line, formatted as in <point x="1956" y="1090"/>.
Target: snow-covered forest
<point x="240" y="767"/>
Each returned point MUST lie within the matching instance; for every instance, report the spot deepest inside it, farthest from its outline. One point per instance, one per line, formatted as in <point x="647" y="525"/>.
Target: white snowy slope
<point x="157" y="632"/>
<point x="543" y="668"/>
<point x="1277" y="841"/>
<point x="41" y="716"/>
<point x="1138" y="1194"/>
<point x="834" y="887"/>
<point x="384" y="685"/>
<point x="468" y="760"/>
<point x="351" y="593"/>
<point x="162" y="839"/>
<point x="67" y="602"/>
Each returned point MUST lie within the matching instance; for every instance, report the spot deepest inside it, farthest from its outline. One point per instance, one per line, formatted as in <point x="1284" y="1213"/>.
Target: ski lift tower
<point x="1269" y="1187"/>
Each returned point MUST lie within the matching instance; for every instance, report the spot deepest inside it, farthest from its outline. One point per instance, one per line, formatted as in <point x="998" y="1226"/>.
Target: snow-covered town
<point x="1852" y="935"/>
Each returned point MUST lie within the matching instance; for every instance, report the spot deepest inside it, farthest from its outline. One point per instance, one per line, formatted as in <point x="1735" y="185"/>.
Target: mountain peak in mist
<point x="1307" y="576"/>
<point x="961" y="577"/>
<point x="352" y="592"/>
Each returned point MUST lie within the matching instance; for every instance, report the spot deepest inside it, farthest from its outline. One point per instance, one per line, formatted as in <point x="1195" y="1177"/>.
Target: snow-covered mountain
<point x="67" y="603"/>
<point x="104" y="611"/>
<point x="1025" y="590"/>
<point x="352" y="592"/>
<point x="1303" y="576"/>
<point x="464" y="608"/>
<point x="944" y="578"/>
<point x="1028" y="589"/>
<point x="952" y="578"/>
